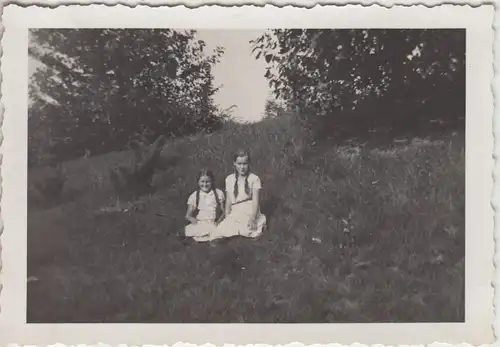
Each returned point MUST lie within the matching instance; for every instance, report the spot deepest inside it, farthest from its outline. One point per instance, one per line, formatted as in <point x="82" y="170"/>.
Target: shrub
<point x="49" y="187"/>
<point x="137" y="178"/>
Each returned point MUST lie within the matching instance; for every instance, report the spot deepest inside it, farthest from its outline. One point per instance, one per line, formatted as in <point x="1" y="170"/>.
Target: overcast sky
<point x="239" y="73"/>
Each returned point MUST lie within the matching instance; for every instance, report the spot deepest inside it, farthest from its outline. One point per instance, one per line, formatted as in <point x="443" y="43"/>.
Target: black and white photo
<point x="273" y="173"/>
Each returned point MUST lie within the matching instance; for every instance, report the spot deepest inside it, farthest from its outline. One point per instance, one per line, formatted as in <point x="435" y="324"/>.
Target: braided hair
<point x="210" y="174"/>
<point x="240" y="153"/>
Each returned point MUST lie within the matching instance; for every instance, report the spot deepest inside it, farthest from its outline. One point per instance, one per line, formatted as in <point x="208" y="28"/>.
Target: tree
<point x="101" y="89"/>
<point x="330" y="73"/>
<point x="273" y="109"/>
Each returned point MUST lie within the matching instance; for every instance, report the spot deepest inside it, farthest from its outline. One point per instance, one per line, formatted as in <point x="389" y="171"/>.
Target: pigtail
<point x="247" y="188"/>
<point x="197" y="199"/>
<point x="218" y="208"/>
<point x="235" y="189"/>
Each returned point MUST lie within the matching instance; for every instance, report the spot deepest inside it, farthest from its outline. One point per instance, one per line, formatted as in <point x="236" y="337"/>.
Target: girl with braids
<point x="205" y="207"/>
<point x="243" y="216"/>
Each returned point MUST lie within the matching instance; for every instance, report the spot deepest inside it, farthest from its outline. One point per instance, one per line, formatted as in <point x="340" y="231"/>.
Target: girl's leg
<point x="199" y="230"/>
<point x="227" y="228"/>
<point x="261" y="224"/>
<point x="205" y="238"/>
<point x="189" y="230"/>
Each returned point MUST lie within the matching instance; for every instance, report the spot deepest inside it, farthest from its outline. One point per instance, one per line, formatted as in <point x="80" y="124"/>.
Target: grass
<point x="357" y="234"/>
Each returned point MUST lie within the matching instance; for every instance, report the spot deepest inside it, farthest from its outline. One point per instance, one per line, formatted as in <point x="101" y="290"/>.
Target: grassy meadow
<point x="356" y="234"/>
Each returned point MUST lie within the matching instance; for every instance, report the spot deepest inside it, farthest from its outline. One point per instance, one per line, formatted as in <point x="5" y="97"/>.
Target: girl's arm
<point x="222" y="215"/>
<point x="223" y="208"/>
<point x="255" y="208"/>
<point x="221" y="218"/>
<point x="228" y="203"/>
<point x="189" y="215"/>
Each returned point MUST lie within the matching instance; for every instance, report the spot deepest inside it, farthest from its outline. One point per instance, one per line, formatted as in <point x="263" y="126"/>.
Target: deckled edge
<point x="257" y="3"/>
<point x="495" y="84"/>
<point x="2" y="110"/>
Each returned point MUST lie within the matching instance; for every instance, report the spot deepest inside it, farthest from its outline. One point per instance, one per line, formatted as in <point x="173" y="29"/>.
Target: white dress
<point x="236" y="223"/>
<point x="207" y="205"/>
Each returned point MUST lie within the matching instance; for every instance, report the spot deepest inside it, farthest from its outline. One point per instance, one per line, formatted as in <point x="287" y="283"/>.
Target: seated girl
<point x="242" y="215"/>
<point x="205" y="208"/>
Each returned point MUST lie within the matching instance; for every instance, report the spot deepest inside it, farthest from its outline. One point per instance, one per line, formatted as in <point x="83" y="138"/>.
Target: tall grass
<point x="356" y="235"/>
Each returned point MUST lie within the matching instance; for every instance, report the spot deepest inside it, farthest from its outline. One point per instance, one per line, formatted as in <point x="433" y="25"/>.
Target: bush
<point x="137" y="178"/>
<point x="49" y="187"/>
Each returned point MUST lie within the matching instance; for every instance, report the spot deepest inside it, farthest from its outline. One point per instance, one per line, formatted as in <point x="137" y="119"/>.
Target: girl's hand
<point x="252" y="224"/>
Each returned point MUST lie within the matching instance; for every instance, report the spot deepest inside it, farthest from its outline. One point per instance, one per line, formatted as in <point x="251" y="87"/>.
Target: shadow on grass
<point x="37" y="204"/>
<point x="269" y="207"/>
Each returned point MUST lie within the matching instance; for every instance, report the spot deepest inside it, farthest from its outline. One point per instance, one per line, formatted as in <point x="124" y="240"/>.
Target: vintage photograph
<point x="246" y="176"/>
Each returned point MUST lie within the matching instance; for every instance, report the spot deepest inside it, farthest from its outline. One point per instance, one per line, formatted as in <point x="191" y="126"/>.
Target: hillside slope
<point x="356" y="235"/>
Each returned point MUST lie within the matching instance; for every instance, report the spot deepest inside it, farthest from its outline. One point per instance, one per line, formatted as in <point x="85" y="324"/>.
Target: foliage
<point x="333" y="72"/>
<point x="100" y="89"/>
<point x="49" y="187"/>
<point x="273" y="109"/>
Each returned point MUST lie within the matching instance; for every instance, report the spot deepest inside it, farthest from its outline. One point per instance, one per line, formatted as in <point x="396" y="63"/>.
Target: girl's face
<point x="241" y="164"/>
<point x="205" y="184"/>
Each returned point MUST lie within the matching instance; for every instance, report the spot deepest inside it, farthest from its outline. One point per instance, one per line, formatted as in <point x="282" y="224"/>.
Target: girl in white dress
<point x="205" y="208"/>
<point x="242" y="215"/>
